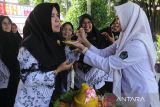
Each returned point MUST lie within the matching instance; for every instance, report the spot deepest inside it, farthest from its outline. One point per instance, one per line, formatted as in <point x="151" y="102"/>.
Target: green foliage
<point x="102" y="13"/>
<point x="57" y="103"/>
<point x="158" y="50"/>
<point x="101" y="10"/>
<point x="63" y="5"/>
<point x="33" y="2"/>
<point x="67" y="97"/>
<point x="36" y="2"/>
<point x="78" y="7"/>
<point x="24" y="1"/>
<point x="119" y="2"/>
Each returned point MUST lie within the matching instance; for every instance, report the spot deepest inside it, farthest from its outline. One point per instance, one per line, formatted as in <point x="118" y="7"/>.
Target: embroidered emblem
<point x="123" y="55"/>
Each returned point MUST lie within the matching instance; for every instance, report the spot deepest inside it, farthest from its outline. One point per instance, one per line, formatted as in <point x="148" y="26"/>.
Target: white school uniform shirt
<point x="4" y="75"/>
<point x="134" y="59"/>
<point x="35" y="88"/>
<point x="95" y="77"/>
<point x="137" y="76"/>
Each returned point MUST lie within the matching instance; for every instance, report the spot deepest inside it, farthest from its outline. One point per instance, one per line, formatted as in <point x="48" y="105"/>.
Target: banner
<point x="15" y="9"/>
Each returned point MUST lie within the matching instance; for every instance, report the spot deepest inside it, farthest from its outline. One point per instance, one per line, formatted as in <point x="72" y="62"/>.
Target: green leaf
<point x="56" y="103"/>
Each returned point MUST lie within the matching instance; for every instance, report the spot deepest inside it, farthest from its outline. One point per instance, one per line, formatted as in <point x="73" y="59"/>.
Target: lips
<point x="58" y="26"/>
<point x="86" y="29"/>
<point x="65" y="34"/>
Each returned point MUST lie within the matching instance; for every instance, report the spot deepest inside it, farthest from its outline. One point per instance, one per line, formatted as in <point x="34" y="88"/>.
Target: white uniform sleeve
<point x="30" y="73"/>
<point x="104" y="52"/>
<point x="131" y="54"/>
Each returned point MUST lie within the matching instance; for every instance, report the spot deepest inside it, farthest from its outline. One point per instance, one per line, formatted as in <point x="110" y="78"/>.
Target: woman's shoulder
<point x="136" y="43"/>
<point x="26" y="58"/>
<point x="24" y="52"/>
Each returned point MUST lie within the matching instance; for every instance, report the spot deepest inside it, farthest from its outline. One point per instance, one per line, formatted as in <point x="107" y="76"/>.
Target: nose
<point x="87" y="24"/>
<point x="57" y="19"/>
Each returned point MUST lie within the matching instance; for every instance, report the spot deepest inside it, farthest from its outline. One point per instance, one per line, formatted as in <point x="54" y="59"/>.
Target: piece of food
<point x="70" y="42"/>
<point x="86" y="97"/>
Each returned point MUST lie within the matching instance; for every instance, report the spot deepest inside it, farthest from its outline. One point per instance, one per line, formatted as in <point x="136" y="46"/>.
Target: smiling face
<point x="14" y="28"/>
<point x="67" y="32"/>
<point x="87" y="25"/>
<point x="55" y="21"/>
<point x="6" y="25"/>
<point x="116" y="26"/>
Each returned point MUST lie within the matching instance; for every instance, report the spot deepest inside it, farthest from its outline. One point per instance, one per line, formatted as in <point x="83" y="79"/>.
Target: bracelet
<point x="84" y="50"/>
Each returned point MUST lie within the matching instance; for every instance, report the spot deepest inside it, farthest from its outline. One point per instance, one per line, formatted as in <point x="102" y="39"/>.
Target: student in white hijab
<point x="131" y="58"/>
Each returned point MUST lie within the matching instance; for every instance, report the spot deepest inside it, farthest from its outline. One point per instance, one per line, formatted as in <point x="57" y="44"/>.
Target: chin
<point x="56" y="30"/>
<point x="87" y="31"/>
<point x="7" y="31"/>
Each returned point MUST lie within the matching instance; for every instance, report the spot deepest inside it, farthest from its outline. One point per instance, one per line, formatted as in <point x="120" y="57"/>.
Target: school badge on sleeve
<point x="123" y="55"/>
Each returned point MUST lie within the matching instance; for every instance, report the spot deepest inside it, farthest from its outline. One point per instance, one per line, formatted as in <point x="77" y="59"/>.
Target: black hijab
<point x="116" y="34"/>
<point x="26" y="29"/>
<point x="94" y="37"/>
<point x="42" y="42"/>
<point x="17" y="34"/>
<point x="1" y="19"/>
<point x="1" y="16"/>
<point x="67" y="23"/>
<point x="9" y="50"/>
<point x="62" y="27"/>
<point x="9" y="46"/>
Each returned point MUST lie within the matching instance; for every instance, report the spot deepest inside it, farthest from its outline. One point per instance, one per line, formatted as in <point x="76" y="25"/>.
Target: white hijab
<point x="135" y="25"/>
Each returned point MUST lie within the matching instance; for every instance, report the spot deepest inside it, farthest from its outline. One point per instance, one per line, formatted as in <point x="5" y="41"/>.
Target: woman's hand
<point x="76" y="51"/>
<point x="78" y="45"/>
<point x="64" y="66"/>
<point x="108" y="37"/>
<point x="82" y="37"/>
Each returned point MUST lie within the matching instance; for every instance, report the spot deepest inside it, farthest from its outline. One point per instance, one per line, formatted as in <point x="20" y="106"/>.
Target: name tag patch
<point x="123" y="55"/>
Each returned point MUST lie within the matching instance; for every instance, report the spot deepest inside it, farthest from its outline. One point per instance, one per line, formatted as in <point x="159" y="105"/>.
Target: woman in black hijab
<point x="9" y="50"/>
<point x="67" y="32"/>
<point x="93" y="34"/>
<point x="26" y="29"/>
<point x="16" y="33"/>
<point x="94" y="77"/>
<point x="41" y="57"/>
<point x="111" y="31"/>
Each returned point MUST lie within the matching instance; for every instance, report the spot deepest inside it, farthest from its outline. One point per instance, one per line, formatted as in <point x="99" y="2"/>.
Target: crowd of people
<point x="52" y="58"/>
